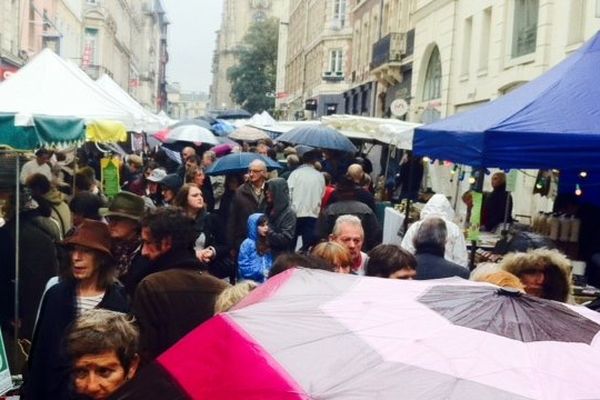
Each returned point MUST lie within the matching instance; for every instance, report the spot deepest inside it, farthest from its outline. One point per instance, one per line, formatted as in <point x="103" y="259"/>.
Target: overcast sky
<point x="191" y="41"/>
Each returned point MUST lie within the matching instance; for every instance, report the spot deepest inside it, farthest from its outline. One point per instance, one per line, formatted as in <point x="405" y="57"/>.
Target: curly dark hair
<point x="171" y="222"/>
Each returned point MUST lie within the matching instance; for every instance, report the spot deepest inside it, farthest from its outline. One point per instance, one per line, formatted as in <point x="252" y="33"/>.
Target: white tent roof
<point x="145" y="119"/>
<point x="49" y="85"/>
<point x="391" y="131"/>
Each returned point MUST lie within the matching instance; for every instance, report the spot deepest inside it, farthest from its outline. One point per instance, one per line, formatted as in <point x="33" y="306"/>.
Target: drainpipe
<point x="375" y="87"/>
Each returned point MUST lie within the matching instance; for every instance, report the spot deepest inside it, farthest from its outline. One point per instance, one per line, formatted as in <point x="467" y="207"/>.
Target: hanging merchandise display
<point x="475" y="222"/>
<point x="110" y="175"/>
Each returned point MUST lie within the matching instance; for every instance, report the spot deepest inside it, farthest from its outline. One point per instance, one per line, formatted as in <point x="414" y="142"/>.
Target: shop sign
<point x="6" y="72"/>
<point x="399" y="107"/>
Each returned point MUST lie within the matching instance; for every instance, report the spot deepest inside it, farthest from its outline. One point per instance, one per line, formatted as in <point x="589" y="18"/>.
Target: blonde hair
<point x="483" y="270"/>
<point x="334" y="253"/>
<point x="355" y="172"/>
<point x="233" y="295"/>
<point x="504" y="279"/>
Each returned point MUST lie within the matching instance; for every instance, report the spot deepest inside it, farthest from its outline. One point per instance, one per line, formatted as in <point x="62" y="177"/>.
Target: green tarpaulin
<point x="45" y="131"/>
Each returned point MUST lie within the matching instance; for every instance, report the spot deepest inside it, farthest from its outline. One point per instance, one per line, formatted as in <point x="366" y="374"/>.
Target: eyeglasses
<point x="256" y="171"/>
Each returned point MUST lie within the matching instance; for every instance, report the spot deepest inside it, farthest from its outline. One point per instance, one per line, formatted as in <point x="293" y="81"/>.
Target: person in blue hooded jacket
<point x="255" y="258"/>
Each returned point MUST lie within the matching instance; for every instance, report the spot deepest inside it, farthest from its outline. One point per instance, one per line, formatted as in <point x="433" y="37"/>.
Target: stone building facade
<point x="317" y="62"/>
<point x="467" y="53"/>
<point x="438" y="56"/>
<point x="9" y="38"/>
<point x="125" y="39"/>
<point x="237" y="17"/>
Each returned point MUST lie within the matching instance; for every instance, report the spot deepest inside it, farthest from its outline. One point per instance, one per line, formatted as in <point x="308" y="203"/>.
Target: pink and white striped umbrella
<point x="310" y="334"/>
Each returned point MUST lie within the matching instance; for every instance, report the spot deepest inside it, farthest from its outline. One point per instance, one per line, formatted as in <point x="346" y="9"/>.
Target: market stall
<point x="551" y="122"/>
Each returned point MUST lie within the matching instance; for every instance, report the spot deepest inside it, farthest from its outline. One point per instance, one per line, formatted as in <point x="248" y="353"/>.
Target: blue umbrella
<point x="222" y="128"/>
<point x="237" y="163"/>
<point x="318" y="136"/>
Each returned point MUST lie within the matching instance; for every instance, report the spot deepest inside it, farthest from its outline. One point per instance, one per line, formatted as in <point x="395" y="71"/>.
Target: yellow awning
<point x="106" y="131"/>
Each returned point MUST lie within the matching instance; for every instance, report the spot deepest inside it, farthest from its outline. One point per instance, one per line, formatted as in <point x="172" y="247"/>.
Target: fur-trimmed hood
<point x="557" y="269"/>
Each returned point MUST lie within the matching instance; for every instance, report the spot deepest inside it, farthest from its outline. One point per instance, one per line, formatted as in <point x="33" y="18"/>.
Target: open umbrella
<point x="231" y="114"/>
<point x="319" y="136"/>
<point x="194" y="122"/>
<point x="238" y="163"/>
<point x="248" y="134"/>
<point x="310" y="334"/>
<point x="187" y="133"/>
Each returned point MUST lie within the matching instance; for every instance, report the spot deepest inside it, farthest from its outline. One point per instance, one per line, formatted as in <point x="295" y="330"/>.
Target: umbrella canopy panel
<point x="237" y="163"/>
<point x="187" y="133"/>
<point x="318" y="136"/>
<point x="317" y="334"/>
<point x="248" y="134"/>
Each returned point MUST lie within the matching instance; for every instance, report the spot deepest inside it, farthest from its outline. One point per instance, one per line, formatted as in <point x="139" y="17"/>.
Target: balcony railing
<point x="390" y="48"/>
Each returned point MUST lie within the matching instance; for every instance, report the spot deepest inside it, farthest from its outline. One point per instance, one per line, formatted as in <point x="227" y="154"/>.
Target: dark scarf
<point x="124" y="252"/>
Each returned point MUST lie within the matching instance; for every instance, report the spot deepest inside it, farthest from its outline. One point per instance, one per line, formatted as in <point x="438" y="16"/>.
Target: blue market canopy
<point x="551" y="122"/>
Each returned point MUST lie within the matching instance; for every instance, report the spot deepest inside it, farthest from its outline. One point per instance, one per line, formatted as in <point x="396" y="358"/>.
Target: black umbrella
<point x="231" y="114"/>
<point x="510" y="313"/>
<point x="318" y="136"/>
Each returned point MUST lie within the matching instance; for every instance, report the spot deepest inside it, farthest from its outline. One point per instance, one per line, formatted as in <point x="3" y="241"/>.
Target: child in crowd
<point x="255" y="258"/>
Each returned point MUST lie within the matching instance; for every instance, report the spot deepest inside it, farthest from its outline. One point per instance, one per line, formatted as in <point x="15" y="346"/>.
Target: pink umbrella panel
<point x="309" y="334"/>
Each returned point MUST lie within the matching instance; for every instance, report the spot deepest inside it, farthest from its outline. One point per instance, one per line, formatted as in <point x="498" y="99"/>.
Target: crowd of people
<point x="107" y="286"/>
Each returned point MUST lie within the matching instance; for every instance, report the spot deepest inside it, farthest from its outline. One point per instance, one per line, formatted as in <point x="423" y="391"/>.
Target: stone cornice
<point x="430" y="8"/>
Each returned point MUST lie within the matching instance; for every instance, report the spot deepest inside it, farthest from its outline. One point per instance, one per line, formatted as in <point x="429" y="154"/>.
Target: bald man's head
<point x="187" y="153"/>
<point x="257" y="172"/>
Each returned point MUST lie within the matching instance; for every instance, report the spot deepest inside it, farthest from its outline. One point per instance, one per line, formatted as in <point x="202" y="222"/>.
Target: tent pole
<point x="506" y="207"/>
<point x="410" y="183"/>
<point x="387" y="164"/>
<point x="457" y="180"/>
<point x="478" y="188"/>
<point x="17" y="261"/>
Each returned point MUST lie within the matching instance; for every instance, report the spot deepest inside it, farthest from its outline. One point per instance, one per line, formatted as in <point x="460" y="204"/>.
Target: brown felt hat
<point x="91" y="234"/>
<point x="125" y="205"/>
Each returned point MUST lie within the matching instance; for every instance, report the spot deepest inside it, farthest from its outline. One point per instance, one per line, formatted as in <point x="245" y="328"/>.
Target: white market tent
<point x="262" y="119"/>
<point x="145" y="119"/>
<point x="49" y="86"/>
<point x="390" y="131"/>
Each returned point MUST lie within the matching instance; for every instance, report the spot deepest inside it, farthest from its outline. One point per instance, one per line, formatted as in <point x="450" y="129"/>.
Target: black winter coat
<point x="435" y="266"/>
<point x="244" y="203"/>
<point x="282" y="219"/>
<point x="49" y="366"/>
<point x="371" y="227"/>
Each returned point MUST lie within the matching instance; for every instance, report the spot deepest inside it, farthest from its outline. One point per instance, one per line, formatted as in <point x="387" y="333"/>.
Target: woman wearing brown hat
<point x="90" y="285"/>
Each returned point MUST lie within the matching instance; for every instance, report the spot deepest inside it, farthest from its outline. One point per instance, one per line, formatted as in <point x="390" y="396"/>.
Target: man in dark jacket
<point x="123" y="215"/>
<point x="430" y="244"/>
<point x="37" y="262"/>
<point x="249" y="199"/>
<point x="348" y="204"/>
<point x="176" y="298"/>
<point x="282" y="219"/>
